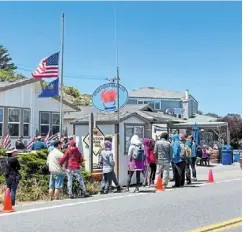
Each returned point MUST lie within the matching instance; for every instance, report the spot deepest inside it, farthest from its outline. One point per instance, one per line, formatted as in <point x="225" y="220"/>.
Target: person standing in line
<point x="188" y="153"/>
<point x="152" y="170"/>
<point x="12" y="175"/>
<point x="179" y="163"/>
<point x="172" y="161"/>
<point x="147" y="149"/>
<point x="56" y="171"/>
<point x="163" y="154"/>
<point x="136" y="159"/>
<point x="107" y="162"/>
<point x="73" y="159"/>
<point x="194" y="159"/>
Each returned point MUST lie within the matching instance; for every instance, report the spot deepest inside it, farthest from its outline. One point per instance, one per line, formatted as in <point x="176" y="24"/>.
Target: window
<point x="55" y="123"/>
<point x="1" y="122"/>
<point x="13" y="121"/>
<point x="45" y="123"/>
<point x="130" y="131"/>
<point x="157" y="105"/>
<point x="140" y="102"/>
<point x="26" y="122"/>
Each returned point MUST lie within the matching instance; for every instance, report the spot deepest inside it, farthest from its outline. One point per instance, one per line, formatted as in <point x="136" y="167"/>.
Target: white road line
<point x="98" y="200"/>
<point x="70" y="204"/>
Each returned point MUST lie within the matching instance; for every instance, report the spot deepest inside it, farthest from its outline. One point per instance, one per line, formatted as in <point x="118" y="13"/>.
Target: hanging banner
<point x="105" y="97"/>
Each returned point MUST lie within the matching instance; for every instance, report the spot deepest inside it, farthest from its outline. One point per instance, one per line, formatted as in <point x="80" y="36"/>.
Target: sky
<point x="168" y="45"/>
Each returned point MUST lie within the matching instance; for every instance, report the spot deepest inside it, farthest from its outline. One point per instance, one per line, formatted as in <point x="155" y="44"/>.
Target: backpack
<point x="188" y="151"/>
<point x="138" y="153"/>
<point x="4" y="167"/>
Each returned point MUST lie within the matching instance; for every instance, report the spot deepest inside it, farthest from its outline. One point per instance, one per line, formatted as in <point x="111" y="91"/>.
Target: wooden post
<point x="91" y="126"/>
<point x="116" y="151"/>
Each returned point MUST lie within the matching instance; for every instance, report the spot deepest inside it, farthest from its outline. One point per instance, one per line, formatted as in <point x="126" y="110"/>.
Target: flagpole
<point x="61" y="82"/>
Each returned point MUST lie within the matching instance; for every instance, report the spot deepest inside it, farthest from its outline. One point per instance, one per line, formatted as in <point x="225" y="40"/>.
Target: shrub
<point x="35" y="178"/>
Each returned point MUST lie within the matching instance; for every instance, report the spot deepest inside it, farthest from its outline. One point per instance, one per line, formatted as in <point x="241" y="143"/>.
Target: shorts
<point x="56" y="181"/>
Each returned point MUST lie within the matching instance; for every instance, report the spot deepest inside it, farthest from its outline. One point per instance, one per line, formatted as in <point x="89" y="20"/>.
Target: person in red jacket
<point x="73" y="159"/>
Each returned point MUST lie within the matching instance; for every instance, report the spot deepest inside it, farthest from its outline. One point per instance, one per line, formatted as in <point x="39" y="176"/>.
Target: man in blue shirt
<point x="38" y="145"/>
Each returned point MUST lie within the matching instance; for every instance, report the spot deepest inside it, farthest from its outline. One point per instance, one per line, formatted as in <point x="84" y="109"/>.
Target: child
<point x="107" y="162"/>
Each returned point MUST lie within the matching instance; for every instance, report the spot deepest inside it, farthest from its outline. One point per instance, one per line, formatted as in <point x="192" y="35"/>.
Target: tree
<point x="9" y="75"/>
<point x="5" y="60"/>
<point x="235" y="129"/>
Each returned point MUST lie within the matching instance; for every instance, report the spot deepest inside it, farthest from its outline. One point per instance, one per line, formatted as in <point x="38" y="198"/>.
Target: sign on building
<point x="98" y="140"/>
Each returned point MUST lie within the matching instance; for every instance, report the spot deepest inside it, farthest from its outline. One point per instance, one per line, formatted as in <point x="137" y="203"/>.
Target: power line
<point x="81" y="76"/>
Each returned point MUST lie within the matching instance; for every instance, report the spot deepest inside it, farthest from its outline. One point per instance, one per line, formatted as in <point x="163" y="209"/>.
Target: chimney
<point x="186" y="94"/>
<point x="185" y="103"/>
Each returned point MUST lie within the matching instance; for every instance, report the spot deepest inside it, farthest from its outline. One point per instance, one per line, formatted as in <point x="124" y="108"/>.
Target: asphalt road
<point x="175" y="210"/>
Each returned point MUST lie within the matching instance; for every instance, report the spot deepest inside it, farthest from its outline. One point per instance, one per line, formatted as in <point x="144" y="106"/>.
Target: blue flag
<point x="51" y="90"/>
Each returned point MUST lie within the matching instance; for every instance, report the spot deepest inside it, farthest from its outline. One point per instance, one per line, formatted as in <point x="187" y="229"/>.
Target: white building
<point x="134" y="119"/>
<point x="23" y="113"/>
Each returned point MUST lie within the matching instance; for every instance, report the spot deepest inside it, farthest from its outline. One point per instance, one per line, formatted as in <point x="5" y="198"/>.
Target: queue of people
<point x="148" y="158"/>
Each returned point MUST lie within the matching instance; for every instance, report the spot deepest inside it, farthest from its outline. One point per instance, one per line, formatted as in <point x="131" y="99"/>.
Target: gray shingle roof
<point x="143" y="111"/>
<point x="86" y="110"/>
<point x="201" y="118"/>
<point x="151" y="92"/>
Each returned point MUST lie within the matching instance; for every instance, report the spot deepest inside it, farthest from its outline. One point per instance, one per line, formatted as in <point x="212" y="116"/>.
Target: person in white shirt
<point x="56" y="171"/>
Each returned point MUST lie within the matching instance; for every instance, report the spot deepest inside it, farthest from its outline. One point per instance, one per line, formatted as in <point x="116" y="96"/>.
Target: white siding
<point x="27" y="97"/>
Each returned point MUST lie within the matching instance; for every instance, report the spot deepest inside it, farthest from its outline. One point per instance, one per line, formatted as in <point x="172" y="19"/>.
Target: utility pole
<point x="61" y="83"/>
<point x="91" y="127"/>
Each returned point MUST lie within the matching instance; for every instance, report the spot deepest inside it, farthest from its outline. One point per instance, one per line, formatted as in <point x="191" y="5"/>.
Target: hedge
<point x="35" y="178"/>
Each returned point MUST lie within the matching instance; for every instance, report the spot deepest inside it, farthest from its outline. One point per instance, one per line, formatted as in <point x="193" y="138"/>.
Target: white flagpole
<point x="61" y="82"/>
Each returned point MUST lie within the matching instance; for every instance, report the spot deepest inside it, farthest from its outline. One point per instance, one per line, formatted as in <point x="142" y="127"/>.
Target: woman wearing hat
<point x="12" y="174"/>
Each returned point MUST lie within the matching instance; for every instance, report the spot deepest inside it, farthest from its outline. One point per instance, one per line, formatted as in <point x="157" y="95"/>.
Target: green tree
<point x="6" y="60"/>
<point x="9" y="75"/>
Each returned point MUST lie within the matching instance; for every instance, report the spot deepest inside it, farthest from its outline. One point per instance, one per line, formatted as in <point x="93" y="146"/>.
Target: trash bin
<point x="226" y="155"/>
<point x="236" y="156"/>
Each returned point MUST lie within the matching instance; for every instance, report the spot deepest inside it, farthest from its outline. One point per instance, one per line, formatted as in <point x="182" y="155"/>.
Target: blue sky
<point x="170" y="45"/>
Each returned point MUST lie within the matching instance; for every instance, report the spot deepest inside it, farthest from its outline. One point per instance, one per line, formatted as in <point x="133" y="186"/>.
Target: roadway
<point x="175" y="210"/>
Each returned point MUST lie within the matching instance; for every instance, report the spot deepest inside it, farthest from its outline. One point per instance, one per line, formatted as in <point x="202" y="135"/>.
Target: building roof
<point x="151" y="92"/>
<point x="86" y="110"/>
<point x="7" y="85"/>
<point x="209" y="125"/>
<point x="144" y="112"/>
<point x="201" y="118"/>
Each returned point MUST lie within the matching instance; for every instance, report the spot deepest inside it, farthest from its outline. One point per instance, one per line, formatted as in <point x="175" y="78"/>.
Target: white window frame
<point x="27" y="123"/>
<point x="133" y="126"/>
<point x="50" y="120"/>
<point x="155" y="102"/>
<point x="1" y="134"/>
<point x="18" y="123"/>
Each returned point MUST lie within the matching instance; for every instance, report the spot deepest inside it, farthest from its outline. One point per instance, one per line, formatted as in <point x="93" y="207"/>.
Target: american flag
<point x="6" y="142"/>
<point x="50" y="138"/>
<point x="48" y="67"/>
<point x="31" y="142"/>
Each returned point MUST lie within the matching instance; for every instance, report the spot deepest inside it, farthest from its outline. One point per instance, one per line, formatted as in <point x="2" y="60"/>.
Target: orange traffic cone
<point x="7" y="204"/>
<point x="159" y="186"/>
<point x="210" y="176"/>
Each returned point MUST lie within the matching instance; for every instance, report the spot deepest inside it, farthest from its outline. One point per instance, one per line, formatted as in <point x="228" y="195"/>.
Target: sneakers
<point x="136" y="190"/>
<point x="194" y="179"/>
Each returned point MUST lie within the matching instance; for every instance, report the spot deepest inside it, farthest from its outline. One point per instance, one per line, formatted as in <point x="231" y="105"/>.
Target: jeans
<point x="78" y="175"/>
<point x="130" y="174"/>
<point x="173" y="169"/>
<point x="180" y="174"/>
<point x="13" y="189"/>
<point x="193" y="166"/>
<point x="152" y="172"/>
<point x="187" y="169"/>
<point x="113" y="178"/>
